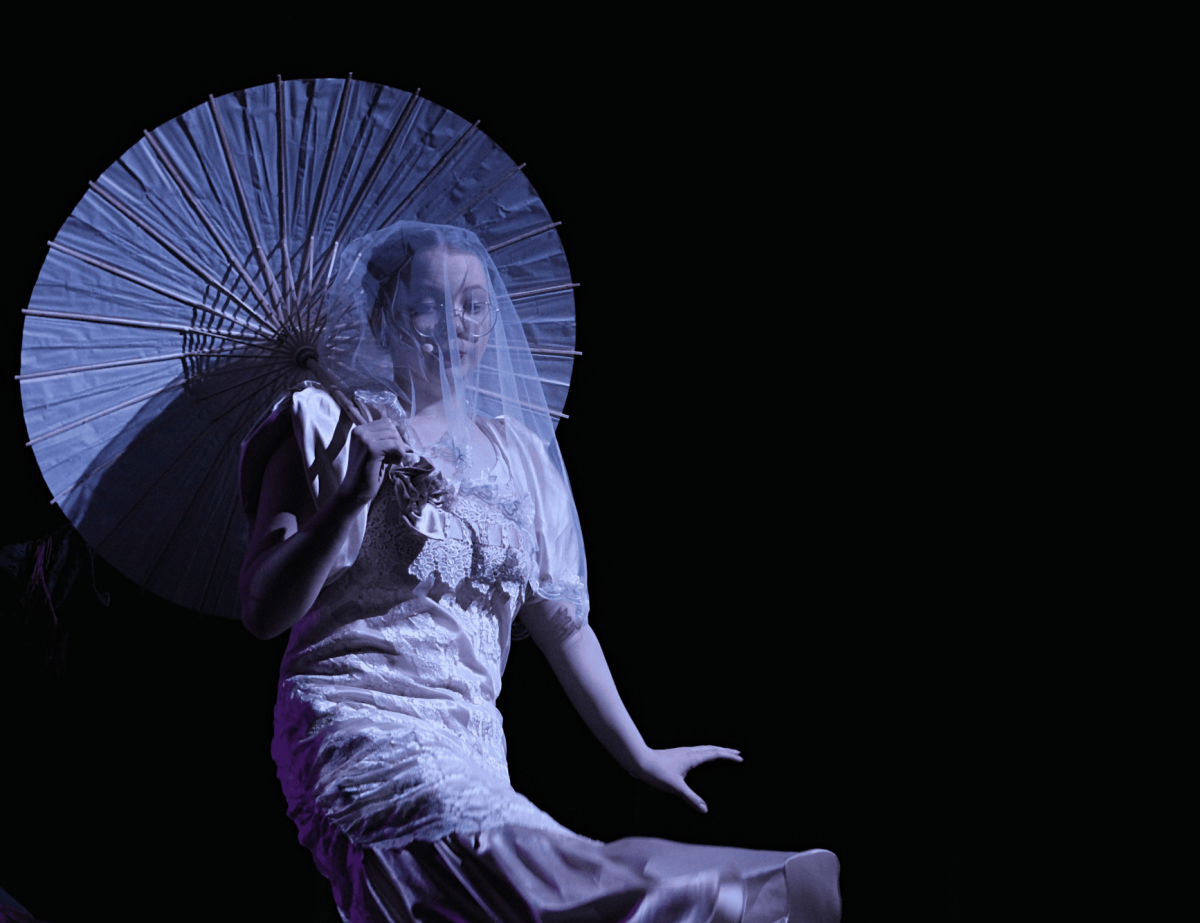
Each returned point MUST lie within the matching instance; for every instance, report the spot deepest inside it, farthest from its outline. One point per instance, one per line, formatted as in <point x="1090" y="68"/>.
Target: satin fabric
<point x="388" y="742"/>
<point x="515" y="875"/>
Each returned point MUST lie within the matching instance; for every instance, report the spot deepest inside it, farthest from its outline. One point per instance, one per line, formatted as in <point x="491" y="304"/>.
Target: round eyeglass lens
<point x="478" y="319"/>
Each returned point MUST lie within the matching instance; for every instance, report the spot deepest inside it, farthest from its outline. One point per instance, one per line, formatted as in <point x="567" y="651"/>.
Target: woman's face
<point x="442" y="279"/>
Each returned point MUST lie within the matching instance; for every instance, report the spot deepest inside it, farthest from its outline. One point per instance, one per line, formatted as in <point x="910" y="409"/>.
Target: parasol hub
<point x="305" y="355"/>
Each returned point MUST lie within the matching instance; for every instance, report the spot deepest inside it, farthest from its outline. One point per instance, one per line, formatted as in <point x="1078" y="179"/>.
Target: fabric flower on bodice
<point x="420" y="491"/>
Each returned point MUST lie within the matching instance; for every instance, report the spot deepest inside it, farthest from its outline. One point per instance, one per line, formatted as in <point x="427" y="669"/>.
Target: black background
<point x="776" y="456"/>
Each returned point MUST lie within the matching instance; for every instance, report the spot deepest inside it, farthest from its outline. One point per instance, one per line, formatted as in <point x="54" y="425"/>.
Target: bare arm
<point x="293" y="545"/>
<point x="579" y="663"/>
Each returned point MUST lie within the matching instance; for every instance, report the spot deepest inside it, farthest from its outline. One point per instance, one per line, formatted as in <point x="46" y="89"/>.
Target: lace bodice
<point x="386" y="724"/>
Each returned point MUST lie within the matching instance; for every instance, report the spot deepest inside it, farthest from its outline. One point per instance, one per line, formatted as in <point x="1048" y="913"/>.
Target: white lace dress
<point x="390" y="747"/>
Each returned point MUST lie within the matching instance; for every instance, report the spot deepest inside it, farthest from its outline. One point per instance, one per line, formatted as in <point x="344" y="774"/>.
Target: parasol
<point x="187" y="291"/>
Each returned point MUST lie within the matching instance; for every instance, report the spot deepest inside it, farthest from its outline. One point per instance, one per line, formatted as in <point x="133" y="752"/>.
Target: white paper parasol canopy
<point x="184" y="294"/>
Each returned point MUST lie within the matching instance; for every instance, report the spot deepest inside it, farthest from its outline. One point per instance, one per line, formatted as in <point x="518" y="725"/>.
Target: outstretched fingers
<point x="708" y="754"/>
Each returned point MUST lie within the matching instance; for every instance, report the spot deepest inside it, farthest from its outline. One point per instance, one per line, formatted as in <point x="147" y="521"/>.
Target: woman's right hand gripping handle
<point x="293" y="545"/>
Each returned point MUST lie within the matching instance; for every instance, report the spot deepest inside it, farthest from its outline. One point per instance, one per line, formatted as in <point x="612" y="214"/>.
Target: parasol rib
<point x="229" y="520"/>
<point x="145" y="324"/>
<point x="307" y="300"/>
<point x="554" y="351"/>
<point x="512" y="240"/>
<point x="289" y="283"/>
<point x="530" y="293"/>
<point x="553" y="413"/>
<point x="483" y="195"/>
<point x="191" y="199"/>
<point x="95" y="416"/>
<point x="233" y="432"/>
<point x="251" y="315"/>
<point x="247" y="217"/>
<point x="323" y="185"/>
<point x="332" y="263"/>
<point x="161" y="290"/>
<point x="545" y="381"/>
<point x="92" y="472"/>
<point x="431" y="175"/>
<point x="402" y="128"/>
<point x="122" y="363"/>
<point x="187" y="261"/>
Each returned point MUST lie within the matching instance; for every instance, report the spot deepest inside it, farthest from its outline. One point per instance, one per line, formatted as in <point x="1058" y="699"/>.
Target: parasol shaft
<point x="326" y="380"/>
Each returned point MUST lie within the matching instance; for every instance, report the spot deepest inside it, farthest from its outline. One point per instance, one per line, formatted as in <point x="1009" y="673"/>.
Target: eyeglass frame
<point x="443" y="326"/>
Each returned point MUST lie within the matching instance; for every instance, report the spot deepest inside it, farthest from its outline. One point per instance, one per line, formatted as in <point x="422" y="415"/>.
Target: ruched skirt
<point x="520" y="875"/>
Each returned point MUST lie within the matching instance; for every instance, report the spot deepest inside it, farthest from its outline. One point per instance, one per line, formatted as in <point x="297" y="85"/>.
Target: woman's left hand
<point x="666" y="769"/>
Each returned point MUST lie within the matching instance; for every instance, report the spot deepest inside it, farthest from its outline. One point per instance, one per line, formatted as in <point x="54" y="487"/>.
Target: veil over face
<point x="420" y="324"/>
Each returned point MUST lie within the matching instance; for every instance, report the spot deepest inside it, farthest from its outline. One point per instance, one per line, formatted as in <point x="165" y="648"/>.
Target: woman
<point x="404" y="551"/>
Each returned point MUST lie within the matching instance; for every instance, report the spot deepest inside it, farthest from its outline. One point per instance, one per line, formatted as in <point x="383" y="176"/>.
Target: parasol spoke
<point x="235" y="431"/>
<point x="483" y="195"/>
<point x="447" y="158"/>
<point x="92" y="472"/>
<point x="553" y="413"/>
<point x="332" y="264"/>
<point x="323" y="185"/>
<point x="512" y="240"/>
<point x="307" y="300"/>
<point x="226" y="250"/>
<point x="122" y="363"/>
<point x="289" y="284"/>
<point x="187" y="261"/>
<point x="247" y="216"/>
<point x="232" y="513"/>
<point x="274" y="370"/>
<point x="144" y="324"/>
<point x="155" y="287"/>
<point x="545" y="381"/>
<point x="399" y="133"/>
<point x="152" y="478"/>
<point x="544" y="351"/>
<point x="550" y="289"/>
<point x="141" y="398"/>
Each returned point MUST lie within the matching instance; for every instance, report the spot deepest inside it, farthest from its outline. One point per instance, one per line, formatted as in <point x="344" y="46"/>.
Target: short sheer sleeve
<point x="315" y="421"/>
<point x="561" y="570"/>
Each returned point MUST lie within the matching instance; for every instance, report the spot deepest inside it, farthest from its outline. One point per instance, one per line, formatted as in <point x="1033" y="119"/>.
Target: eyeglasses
<point x="429" y="320"/>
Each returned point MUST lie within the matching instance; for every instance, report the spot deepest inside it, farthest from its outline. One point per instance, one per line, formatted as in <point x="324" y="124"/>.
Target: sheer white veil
<point x="375" y="346"/>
